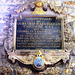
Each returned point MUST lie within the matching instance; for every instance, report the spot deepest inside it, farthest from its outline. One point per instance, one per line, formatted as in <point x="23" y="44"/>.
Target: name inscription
<point x="38" y="33"/>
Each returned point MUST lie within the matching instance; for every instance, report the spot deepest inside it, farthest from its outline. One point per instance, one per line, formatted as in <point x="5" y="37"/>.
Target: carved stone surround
<point x="68" y="44"/>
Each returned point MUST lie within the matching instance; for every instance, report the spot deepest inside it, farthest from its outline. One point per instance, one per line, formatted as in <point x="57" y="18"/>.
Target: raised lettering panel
<point x="38" y="33"/>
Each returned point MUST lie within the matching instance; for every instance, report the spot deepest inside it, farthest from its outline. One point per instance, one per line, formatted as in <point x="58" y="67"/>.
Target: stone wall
<point x="12" y="8"/>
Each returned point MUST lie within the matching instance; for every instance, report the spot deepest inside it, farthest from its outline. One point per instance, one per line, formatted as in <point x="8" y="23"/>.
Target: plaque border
<point x="57" y="18"/>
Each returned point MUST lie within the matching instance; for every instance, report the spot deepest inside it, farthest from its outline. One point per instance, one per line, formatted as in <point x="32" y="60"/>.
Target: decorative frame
<point x="57" y="18"/>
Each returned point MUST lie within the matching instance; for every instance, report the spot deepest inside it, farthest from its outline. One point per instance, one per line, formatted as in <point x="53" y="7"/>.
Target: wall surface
<point x="13" y="8"/>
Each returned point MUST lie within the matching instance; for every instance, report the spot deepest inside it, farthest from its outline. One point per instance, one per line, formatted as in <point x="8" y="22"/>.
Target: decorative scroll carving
<point x="50" y="58"/>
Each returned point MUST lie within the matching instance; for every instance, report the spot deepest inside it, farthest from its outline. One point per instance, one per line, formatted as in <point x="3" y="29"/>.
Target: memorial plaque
<point x="39" y="33"/>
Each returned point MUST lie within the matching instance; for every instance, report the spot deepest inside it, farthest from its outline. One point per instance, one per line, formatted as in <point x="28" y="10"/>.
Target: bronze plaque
<point x="39" y="33"/>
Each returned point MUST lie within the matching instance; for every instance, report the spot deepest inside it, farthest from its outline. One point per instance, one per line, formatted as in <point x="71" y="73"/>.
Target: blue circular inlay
<point x="38" y="62"/>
